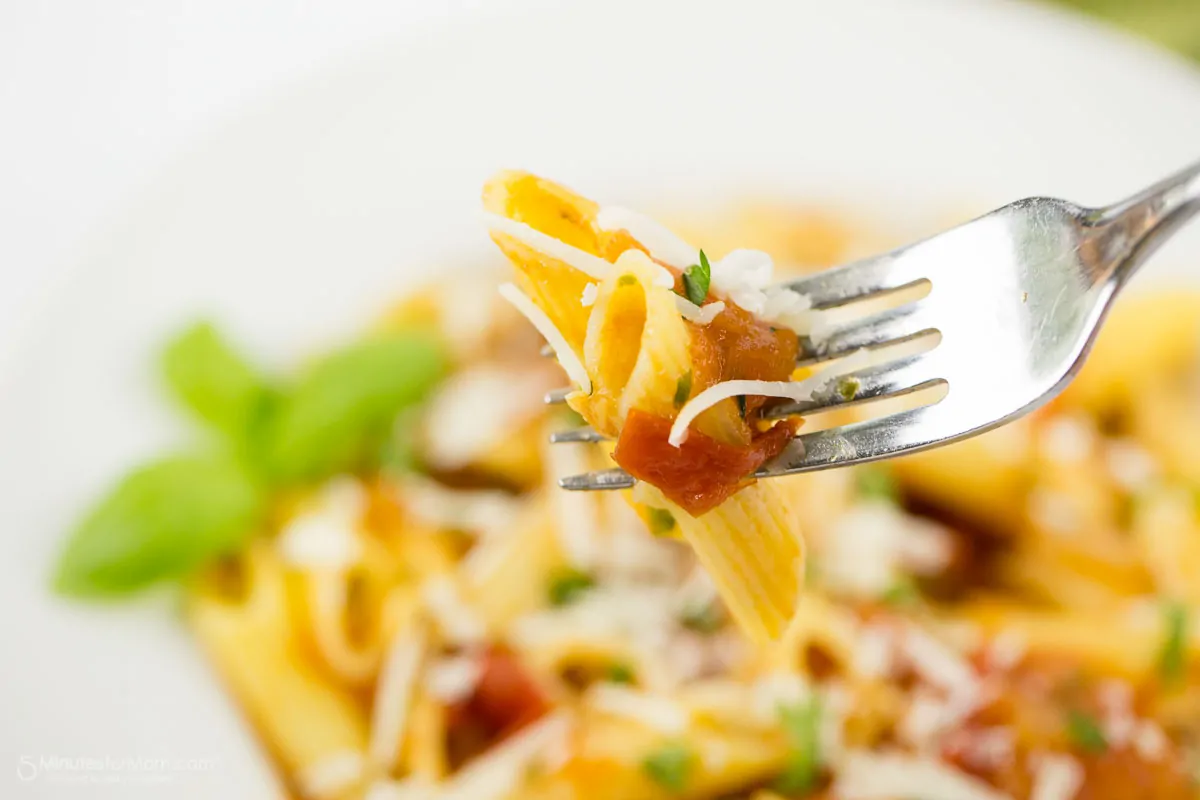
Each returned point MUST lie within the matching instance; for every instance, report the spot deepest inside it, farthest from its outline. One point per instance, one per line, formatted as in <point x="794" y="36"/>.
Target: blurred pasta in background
<point x="390" y="584"/>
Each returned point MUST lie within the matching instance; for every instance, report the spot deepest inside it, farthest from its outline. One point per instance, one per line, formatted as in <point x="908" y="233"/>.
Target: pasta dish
<point x="379" y="564"/>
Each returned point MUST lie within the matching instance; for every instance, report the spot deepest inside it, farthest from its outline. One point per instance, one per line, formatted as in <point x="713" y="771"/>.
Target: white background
<point x="95" y="97"/>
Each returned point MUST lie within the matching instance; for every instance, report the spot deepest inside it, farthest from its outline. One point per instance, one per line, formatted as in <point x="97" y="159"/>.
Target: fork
<point x="1007" y="307"/>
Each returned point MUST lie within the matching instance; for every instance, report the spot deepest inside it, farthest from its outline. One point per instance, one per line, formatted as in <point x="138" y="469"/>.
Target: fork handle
<point x="1129" y="231"/>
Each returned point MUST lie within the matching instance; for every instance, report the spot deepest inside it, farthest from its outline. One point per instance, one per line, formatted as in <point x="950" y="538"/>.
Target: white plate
<point x="296" y="221"/>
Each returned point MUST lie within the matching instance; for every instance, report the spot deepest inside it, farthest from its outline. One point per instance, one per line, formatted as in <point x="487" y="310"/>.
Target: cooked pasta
<point x="423" y="615"/>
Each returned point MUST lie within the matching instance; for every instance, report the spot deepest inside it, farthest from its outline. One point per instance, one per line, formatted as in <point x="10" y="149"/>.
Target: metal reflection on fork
<point x="1006" y="306"/>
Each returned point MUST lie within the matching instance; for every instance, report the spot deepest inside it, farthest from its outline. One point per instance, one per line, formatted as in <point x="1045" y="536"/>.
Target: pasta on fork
<point x="674" y="358"/>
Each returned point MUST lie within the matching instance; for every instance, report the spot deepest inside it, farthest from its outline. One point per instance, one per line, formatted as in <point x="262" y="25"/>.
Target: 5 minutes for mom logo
<point x="108" y="769"/>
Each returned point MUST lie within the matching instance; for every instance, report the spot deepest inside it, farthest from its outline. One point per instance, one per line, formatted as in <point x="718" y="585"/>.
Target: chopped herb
<point x="848" y="388"/>
<point x="568" y="586"/>
<point x="876" y="483"/>
<point x="670" y="766"/>
<point x="696" y="279"/>
<point x="741" y="401"/>
<point x="1084" y="733"/>
<point x="903" y="592"/>
<point x="802" y="765"/>
<point x="619" y="673"/>
<point x="1172" y="659"/>
<point x="772" y="328"/>
<point x="703" y="617"/>
<point x="661" y="521"/>
<point x="683" y="389"/>
<point x="626" y="280"/>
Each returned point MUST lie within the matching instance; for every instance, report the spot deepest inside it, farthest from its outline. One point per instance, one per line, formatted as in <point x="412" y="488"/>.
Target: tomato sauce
<point x="702" y="472"/>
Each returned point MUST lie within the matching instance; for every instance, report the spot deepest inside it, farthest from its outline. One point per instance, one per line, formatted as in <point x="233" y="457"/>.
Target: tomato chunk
<point x="505" y="699"/>
<point x="702" y="472"/>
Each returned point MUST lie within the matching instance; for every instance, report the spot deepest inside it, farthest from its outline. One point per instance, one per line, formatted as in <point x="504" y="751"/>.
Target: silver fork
<point x="1012" y="304"/>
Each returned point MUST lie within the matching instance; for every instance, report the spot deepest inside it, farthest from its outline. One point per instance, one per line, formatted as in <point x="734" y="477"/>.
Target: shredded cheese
<point x="654" y="711"/>
<point x="496" y="773"/>
<point x="937" y="664"/>
<point x="326" y="537"/>
<point x="456" y="621"/>
<point x="331" y="775"/>
<point x="865" y="775"/>
<point x="410" y="788"/>
<point x="477" y="407"/>
<point x="546" y="327"/>
<point x="1056" y="777"/>
<point x="661" y="242"/>
<point x="797" y="391"/>
<point x="701" y="315"/>
<point x="588" y="298"/>
<point x="1006" y="650"/>
<point x="454" y="678"/>
<point x="586" y="263"/>
<point x="393" y="693"/>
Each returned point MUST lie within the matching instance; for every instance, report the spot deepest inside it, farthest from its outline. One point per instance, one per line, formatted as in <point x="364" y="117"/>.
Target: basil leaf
<point x="339" y="413"/>
<point x="212" y="380"/>
<point x="161" y="521"/>
<point x="696" y="280"/>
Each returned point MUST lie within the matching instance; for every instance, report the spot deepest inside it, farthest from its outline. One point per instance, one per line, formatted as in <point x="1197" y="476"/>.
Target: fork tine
<point x="887" y="328"/>
<point x="857" y="280"/>
<point x="893" y="435"/>
<point x="883" y="437"/>
<point x="577" y="435"/>
<point x="556" y="397"/>
<point x="893" y="379"/>
<point x="600" y="480"/>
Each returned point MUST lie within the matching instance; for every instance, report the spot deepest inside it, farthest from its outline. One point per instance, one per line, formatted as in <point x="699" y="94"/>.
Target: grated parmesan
<point x="411" y="788"/>
<point x="586" y="263"/>
<point x="938" y="665"/>
<point x="654" y="711"/>
<point x="588" y="298"/>
<point x="865" y="775"/>
<point x="454" y="678"/>
<point x="1149" y="741"/>
<point x="458" y="623"/>
<point x="797" y="391"/>
<point x="331" y="775"/>
<point x="326" y="536"/>
<point x="1006" y="650"/>
<point x="546" y="327"/>
<point x="701" y="315"/>
<point x="393" y="694"/>
<point x="661" y="242"/>
<point x="496" y="773"/>
<point x="1056" y="777"/>
<point x="476" y="408"/>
